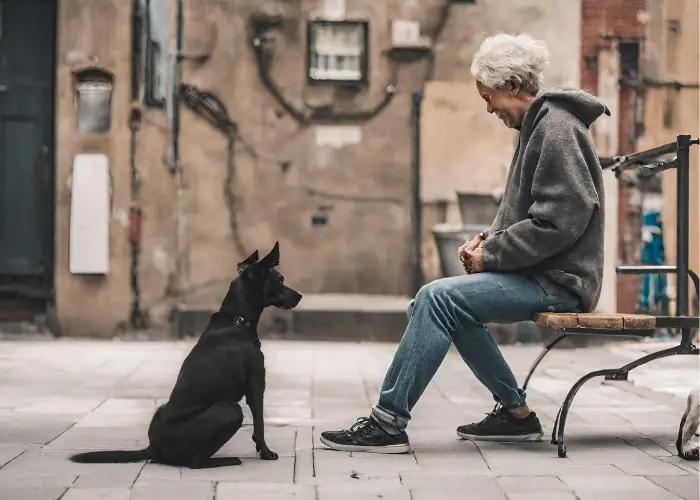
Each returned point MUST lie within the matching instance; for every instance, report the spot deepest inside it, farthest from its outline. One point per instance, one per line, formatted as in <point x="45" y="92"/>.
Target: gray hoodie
<point x="550" y="223"/>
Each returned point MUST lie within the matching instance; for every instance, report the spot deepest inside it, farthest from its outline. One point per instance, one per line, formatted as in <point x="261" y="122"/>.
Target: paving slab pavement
<point x="59" y="397"/>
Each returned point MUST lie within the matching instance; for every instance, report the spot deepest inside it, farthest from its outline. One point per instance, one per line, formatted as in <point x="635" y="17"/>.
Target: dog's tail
<point x="112" y="456"/>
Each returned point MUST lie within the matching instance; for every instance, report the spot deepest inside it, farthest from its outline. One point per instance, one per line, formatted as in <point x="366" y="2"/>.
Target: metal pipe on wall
<point x="176" y="282"/>
<point x="416" y="213"/>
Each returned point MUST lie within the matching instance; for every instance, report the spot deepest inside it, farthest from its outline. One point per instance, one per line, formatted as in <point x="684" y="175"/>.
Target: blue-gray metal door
<point x="27" y="54"/>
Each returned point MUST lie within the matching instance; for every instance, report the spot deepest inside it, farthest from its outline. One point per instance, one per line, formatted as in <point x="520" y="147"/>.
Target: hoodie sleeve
<point x="564" y="200"/>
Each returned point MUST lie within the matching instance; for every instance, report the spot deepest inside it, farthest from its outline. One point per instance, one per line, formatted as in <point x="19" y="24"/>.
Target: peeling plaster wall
<point x="90" y="36"/>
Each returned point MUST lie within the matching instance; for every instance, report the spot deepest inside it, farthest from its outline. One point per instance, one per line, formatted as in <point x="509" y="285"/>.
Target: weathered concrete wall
<point x="673" y="55"/>
<point x="93" y="34"/>
<point x="281" y="174"/>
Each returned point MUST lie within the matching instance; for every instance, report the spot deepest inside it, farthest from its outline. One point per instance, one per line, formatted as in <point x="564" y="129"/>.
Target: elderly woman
<point x="543" y="252"/>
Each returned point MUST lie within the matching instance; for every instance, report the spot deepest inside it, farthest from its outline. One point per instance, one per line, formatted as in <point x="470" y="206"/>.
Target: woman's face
<point x="506" y="104"/>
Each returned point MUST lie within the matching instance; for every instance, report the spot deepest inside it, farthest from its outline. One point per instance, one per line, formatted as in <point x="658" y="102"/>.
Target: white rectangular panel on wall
<point x="89" y="215"/>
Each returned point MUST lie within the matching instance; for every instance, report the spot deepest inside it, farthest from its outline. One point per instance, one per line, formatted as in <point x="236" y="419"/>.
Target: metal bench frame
<point x="681" y="321"/>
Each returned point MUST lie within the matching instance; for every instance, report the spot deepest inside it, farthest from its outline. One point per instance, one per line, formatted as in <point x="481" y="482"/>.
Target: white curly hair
<point x="502" y="58"/>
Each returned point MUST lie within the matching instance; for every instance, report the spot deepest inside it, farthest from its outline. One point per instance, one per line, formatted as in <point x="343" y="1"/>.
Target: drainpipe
<point x="177" y="287"/>
<point x="137" y="318"/>
<point x="416" y="271"/>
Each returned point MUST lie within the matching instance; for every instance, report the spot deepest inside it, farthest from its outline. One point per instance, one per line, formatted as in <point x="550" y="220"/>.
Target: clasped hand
<point x="470" y="255"/>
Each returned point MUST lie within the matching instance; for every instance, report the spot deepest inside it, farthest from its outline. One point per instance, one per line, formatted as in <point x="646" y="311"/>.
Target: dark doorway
<point x="27" y="89"/>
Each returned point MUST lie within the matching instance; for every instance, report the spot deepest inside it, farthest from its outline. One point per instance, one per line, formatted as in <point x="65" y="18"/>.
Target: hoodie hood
<point x="586" y="107"/>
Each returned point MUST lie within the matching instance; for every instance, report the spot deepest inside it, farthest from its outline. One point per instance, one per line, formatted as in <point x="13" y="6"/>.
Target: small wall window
<point x="337" y="51"/>
<point x="629" y="60"/>
<point x="136" y="49"/>
<point x="154" y="92"/>
<point x="150" y="61"/>
<point x="93" y="88"/>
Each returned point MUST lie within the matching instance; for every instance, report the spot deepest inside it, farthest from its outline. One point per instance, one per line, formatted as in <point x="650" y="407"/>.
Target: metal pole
<point x="176" y="283"/>
<point x="175" y="83"/>
<point x="416" y="271"/>
<point x="682" y="223"/>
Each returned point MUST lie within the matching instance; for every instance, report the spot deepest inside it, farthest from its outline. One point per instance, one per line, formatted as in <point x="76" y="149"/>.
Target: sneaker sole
<point x="535" y="436"/>
<point x="389" y="449"/>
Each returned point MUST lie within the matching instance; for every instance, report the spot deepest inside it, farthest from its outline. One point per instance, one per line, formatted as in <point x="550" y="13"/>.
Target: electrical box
<point x="405" y="34"/>
<point x="89" y="215"/>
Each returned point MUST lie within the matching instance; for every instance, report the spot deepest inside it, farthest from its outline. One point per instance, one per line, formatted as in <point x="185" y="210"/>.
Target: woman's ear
<point x="515" y="85"/>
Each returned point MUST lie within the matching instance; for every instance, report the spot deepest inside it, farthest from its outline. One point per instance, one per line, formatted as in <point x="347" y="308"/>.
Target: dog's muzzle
<point x="290" y="298"/>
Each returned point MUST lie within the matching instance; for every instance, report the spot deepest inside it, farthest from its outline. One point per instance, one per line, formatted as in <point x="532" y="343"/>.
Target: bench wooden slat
<point x="598" y="321"/>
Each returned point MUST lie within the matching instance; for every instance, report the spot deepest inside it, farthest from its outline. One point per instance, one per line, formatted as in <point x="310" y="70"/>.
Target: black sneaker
<point x="500" y="425"/>
<point x="366" y="435"/>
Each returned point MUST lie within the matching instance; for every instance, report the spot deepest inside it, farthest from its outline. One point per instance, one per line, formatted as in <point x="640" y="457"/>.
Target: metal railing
<point x="643" y="160"/>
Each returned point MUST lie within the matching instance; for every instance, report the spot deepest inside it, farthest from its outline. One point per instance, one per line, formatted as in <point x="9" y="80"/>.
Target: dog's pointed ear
<point x="272" y="259"/>
<point x="250" y="260"/>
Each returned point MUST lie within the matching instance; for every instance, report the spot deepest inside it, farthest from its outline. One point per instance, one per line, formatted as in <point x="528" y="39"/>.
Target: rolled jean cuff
<point x="517" y="403"/>
<point x="390" y="423"/>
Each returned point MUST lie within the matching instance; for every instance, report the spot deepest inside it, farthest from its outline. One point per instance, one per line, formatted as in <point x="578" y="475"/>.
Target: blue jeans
<point x="455" y="310"/>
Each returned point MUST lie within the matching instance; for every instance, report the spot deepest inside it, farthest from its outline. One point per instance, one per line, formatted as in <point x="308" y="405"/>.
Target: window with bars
<point x="337" y="51"/>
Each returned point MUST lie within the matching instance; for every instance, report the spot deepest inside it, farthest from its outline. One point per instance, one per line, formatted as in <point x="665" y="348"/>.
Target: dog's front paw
<point x="268" y="455"/>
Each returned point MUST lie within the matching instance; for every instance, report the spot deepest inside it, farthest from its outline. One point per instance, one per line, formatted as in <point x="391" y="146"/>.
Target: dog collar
<point x="240" y="321"/>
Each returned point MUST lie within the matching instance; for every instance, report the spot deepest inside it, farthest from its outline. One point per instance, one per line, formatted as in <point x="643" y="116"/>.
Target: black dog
<point x="226" y="364"/>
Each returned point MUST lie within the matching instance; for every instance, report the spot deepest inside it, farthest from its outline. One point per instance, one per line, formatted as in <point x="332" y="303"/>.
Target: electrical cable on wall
<point x="211" y="108"/>
<point x="200" y="101"/>
<point x="435" y="36"/>
<point x="260" y="25"/>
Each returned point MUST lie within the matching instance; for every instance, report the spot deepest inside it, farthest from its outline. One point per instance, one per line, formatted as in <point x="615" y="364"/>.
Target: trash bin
<point x="448" y="238"/>
<point x="477" y="208"/>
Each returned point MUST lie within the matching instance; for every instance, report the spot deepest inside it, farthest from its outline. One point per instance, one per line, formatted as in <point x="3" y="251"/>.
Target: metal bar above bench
<point x="659" y="270"/>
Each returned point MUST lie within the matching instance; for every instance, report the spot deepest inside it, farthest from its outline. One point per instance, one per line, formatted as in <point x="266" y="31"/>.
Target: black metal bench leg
<point x="539" y="359"/>
<point x="554" y="428"/>
<point x="564" y="410"/>
<point x="615" y="372"/>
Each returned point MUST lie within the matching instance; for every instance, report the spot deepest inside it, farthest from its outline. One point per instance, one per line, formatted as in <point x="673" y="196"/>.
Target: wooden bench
<point x="617" y="325"/>
<point x="625" y="324"/>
